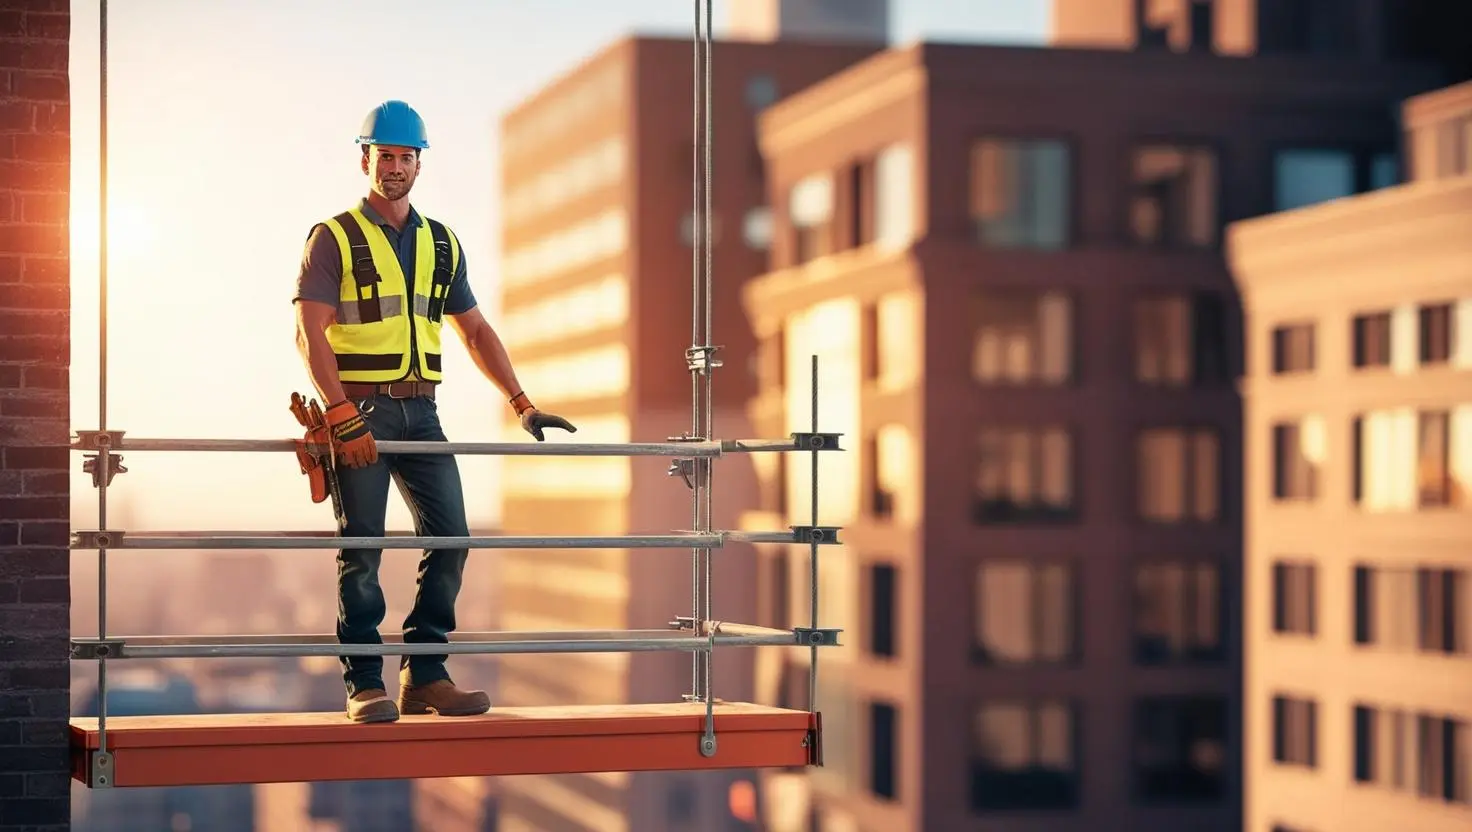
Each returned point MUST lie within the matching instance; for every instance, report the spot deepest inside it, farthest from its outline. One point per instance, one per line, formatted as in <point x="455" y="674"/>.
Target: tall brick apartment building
<point x="597" y="234"/>
<point x="1010" y="261"/>
<point x="35" y="159"/>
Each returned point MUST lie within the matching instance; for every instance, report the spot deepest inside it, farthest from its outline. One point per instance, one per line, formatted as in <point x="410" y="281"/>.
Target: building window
<point x="1298" y="451"/>
<point x="1372" y="339"/>
<point x="1400" y="749"/>
<point x="1405" y="459"/>
<point x="1438" y="331"/>
<point x="1444" y="611"/>
<point x="1384" y="746"/>
<point x="1178" y="612"/>
<point x="883" y="750"/>
<point x="810" y="210"/>
<point x="894" y="196"/>
<point x="883" y="605"/>
<point x="890" y="480"/>
<point x="1434" y="482"/>
<point x="1443" y="758"/>
<point x="1314" y="27"/>
<point x="1180" y="748"/>
<point x="1179" y="475"/>
<point x="893" y="340"/>
<point x="1025" y="756"/>
<point x="1174" y="196"/>
<point x="1020" y="192"/>
<point x="1309" y="176"/>
<point x="1295" y="597"/>
<point x="1181" y="340"/>
<point x="756" y="228"/>
<point x="1386" y="611"/>
<point x="1024" y="475"/>
<point x="1454" y="147"/>
<point x="1293" y="349"/>
<point x="1022" y="337"/>
<point x="1295" y="731"/>
<point x="1026" y="613"/>
<point x="761" y="91"/>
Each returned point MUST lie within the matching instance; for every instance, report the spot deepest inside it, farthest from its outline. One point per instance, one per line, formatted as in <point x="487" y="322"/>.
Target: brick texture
<point x="35" y="159"/>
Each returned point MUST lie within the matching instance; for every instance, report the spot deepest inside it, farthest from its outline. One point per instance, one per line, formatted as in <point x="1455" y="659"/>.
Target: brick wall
<point x="35" y="151"/>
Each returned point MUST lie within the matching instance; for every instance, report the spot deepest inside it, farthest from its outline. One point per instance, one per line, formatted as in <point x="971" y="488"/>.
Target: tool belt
<point x="396" y="390"/>
<point x="314" y="454"/>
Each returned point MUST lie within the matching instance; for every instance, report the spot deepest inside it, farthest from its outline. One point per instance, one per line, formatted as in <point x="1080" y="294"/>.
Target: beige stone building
<point x="1358" y="471"/>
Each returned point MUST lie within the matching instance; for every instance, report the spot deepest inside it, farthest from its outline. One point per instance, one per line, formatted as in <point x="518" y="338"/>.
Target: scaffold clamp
<point x="822" y="535"/>
<point x="94" y="539"/>
<point x="103" y="467"/>
<point x="105" y="648"/>
<point x="702" y="358"/>
<point x="817" y="636"/>
<point x="816" y="441"/>
<point x="98" y="440"/>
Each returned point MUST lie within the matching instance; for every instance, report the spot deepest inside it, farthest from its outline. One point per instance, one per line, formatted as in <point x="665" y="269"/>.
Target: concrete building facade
<point x="1358" y="623"/>
<point x="1009" y="262"/>
<point x="597" y="240"/>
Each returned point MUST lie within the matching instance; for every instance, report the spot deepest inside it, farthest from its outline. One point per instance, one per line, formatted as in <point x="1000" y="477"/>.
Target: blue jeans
<point x="430" y="485"/>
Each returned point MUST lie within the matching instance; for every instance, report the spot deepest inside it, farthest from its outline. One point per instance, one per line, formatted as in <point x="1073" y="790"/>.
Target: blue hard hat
<point x="395" y="123"/>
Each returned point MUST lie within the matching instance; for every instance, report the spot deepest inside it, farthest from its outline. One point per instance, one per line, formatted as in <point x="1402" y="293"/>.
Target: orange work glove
<point x="352" y="440"/>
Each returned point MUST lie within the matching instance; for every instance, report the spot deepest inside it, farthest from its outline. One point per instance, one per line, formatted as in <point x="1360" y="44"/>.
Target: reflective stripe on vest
<point x="373" y="339"/>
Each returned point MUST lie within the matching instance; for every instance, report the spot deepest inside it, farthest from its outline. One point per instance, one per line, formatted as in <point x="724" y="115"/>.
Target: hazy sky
<point x="231" y="128"/>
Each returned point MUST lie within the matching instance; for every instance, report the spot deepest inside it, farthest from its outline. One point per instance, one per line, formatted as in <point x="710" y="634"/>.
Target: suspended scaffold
<point x="695" y="732"/>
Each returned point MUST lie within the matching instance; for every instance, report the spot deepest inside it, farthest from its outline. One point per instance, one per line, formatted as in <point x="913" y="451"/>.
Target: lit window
<point x="811" y="214"/>
<point x="600" y="305"/>
<point x="577" y="376"/>
<point x="574" y="247"/>
<point x="756" y="228"/>
<point x="894" y="196"/>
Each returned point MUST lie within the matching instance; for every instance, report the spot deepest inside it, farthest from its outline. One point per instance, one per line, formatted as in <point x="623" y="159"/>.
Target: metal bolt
<point x="104" y="650"/>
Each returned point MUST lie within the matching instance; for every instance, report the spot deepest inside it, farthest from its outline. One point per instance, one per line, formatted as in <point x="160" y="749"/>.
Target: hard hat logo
<point x="394" y="123"/>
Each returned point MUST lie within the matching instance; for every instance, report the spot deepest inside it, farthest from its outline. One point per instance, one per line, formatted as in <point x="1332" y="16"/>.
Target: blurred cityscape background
<point x="1146" y="323"/>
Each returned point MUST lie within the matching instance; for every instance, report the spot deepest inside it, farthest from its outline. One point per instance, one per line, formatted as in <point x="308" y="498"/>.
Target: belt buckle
<point x="395" y="390"/>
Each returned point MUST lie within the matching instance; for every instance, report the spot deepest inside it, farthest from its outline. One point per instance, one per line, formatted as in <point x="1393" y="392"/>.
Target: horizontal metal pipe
<point x="328" y="646"/>
<point x="264" y="540"/>
<point x="761" y="537"/>
<point x="669" y="449"/>
<point x="727" y="628"/>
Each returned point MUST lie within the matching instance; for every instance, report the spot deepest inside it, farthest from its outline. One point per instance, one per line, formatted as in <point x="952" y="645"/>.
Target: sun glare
<point x="130" y="231"/>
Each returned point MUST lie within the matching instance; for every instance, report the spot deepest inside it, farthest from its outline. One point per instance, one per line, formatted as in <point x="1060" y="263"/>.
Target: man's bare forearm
<point x="321" y="364"/>
<point x="489" y="354"/>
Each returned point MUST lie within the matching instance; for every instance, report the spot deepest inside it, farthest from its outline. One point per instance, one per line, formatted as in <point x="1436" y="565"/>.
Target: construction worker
<point x="376" y="283"/>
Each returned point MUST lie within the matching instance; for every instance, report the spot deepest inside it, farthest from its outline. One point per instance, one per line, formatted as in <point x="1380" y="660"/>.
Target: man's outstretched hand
<point x="533" y="421"/>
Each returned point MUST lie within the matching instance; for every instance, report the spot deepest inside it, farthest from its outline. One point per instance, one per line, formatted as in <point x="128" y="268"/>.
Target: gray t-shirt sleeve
<point x="460" y="298"/>
<point x="320" y="278"/>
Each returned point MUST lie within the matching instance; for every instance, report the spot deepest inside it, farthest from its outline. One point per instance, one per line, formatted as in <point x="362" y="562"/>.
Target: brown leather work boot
<point x="372" y="705"/>
<point x="443" y="698"/>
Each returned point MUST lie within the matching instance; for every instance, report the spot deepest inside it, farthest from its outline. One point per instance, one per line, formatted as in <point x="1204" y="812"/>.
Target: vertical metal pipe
<point x="813" y="553"/>
<point x="698" y="473"/>
<point x="103" y="456"/>
<point x="708" y="240"/>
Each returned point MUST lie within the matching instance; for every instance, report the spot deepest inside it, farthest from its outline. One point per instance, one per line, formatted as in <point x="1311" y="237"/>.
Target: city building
<point x="850" y="20"/>
<point x="1358" y="403"/>
<point x="1009" y="263"/>
<point x="596" y="277"/>
<point x="1377" y="31"/>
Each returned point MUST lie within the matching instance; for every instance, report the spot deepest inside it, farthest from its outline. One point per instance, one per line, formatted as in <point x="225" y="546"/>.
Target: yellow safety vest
<point x="375" y="341"/>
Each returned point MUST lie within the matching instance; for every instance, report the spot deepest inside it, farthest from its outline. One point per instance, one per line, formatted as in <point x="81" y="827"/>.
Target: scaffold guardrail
<point x="693" y="454"/>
